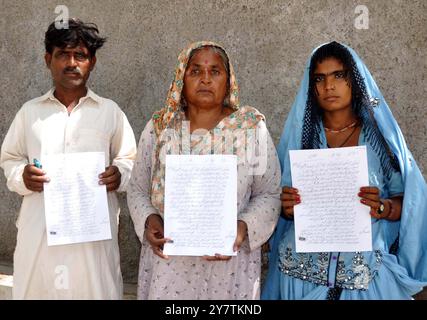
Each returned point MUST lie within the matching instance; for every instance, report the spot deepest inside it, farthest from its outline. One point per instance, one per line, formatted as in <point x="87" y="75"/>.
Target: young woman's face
<point x="332" y="85"/>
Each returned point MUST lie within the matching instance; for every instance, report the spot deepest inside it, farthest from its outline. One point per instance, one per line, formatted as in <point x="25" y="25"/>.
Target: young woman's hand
<point x="391" y="210"/>
<point x="289" y="198"/>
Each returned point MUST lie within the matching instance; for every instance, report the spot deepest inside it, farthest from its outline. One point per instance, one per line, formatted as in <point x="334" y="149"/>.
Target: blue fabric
<point x="390" y="284"/>
<point x="391" y="277"/>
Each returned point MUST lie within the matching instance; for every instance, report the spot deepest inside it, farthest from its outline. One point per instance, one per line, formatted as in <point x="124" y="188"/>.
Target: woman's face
<point x="205" y="80"/>
<point x="332" y="85"/>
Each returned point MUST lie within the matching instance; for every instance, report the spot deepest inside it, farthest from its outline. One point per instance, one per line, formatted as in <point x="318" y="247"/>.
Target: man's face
<point x="70" y="67"/>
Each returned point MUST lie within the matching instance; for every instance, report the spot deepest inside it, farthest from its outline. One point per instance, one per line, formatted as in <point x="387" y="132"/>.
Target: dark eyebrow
<point x="338" y="71"/>
<point x="67" y="50"/>
<point x="327" y="74"/>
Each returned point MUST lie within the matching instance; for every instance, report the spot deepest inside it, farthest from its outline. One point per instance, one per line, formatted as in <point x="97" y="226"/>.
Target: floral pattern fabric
<point x="258" y="202"/>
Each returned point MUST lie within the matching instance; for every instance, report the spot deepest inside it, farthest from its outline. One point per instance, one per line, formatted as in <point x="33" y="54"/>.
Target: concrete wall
<point x="268" y="42"/>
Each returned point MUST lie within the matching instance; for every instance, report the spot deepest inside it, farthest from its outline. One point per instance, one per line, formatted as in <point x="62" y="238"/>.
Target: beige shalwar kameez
<point x="43" y="126"/>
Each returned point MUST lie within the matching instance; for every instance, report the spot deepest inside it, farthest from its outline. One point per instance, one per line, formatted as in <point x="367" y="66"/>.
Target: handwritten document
<point x="76" y="205"/>
<point x="330" y="217"/>
<point x="200" y="204"/>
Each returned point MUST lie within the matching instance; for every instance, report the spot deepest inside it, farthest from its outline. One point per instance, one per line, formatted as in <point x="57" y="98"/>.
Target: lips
<point x="72" y="74"/>
<point x="331" y="98"/>
<point x="204" y="91"/>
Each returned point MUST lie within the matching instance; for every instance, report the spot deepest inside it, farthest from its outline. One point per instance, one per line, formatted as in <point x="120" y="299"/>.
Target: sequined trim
<point x="302" y="266"/>
<point x="359" y="274"/>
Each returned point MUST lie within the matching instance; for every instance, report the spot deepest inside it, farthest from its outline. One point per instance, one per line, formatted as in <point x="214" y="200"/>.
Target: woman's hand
<point x="154" y="235"/>
<point x="242" y="230"/>
<point x="290" y="198"/>
<point x="371" y="197"/>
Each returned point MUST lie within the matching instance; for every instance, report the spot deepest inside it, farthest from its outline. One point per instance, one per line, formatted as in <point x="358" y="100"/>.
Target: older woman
<point x="203" y="99"/>
<point x="340" y="105"/>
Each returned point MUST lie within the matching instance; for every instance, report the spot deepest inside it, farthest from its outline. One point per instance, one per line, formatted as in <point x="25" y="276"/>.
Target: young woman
<point x="339" y="105"/>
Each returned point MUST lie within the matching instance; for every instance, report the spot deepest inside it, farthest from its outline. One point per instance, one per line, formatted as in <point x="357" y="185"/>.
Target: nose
<point x="206" y="77"/>
<point x="329" y="83"/>
<point x="71" y="62"/>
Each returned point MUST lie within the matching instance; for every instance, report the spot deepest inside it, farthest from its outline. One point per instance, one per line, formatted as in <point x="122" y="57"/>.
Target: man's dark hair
<point x="77" y="33"/>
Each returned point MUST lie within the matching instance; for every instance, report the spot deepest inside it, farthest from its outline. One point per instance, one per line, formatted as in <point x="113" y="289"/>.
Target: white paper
<point x="200" y="204"/>
<point x="330" y="217"/>
<point x="76" y="206"/>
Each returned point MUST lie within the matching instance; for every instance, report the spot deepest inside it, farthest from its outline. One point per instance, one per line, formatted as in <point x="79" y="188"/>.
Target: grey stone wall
<point x="268" y="42"/>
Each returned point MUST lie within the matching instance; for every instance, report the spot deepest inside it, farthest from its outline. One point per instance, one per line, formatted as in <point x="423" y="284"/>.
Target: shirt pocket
<point x="92" y="140"/>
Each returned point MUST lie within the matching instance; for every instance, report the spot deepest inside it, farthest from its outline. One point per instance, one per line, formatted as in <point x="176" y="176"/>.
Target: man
<point x="69" y="118"/>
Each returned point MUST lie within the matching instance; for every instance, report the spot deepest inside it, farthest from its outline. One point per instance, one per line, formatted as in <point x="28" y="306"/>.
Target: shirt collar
<point x="93" y="96"/>
<point x="90" y="94"/>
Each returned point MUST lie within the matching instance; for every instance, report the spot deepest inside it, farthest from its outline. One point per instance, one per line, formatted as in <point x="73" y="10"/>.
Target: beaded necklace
<point x="341" y="130"/>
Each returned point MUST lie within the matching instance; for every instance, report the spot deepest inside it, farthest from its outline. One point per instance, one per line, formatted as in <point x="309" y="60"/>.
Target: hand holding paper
<point x="242" y="230"/>
<point x="111" y="178"/>
<point x="155" y="235"/>
<point x="34" y="178"/>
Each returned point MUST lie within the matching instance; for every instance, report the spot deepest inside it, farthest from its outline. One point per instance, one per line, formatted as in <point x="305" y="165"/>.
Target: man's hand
<point x="111" y="178"/>
<point x="34" y="178"/>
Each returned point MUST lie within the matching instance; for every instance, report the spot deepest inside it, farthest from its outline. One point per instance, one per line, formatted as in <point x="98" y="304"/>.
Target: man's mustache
<point x="75" y="70"/>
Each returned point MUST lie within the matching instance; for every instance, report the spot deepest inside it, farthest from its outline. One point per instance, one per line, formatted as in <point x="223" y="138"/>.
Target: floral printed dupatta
<point x="172" y="129"/>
